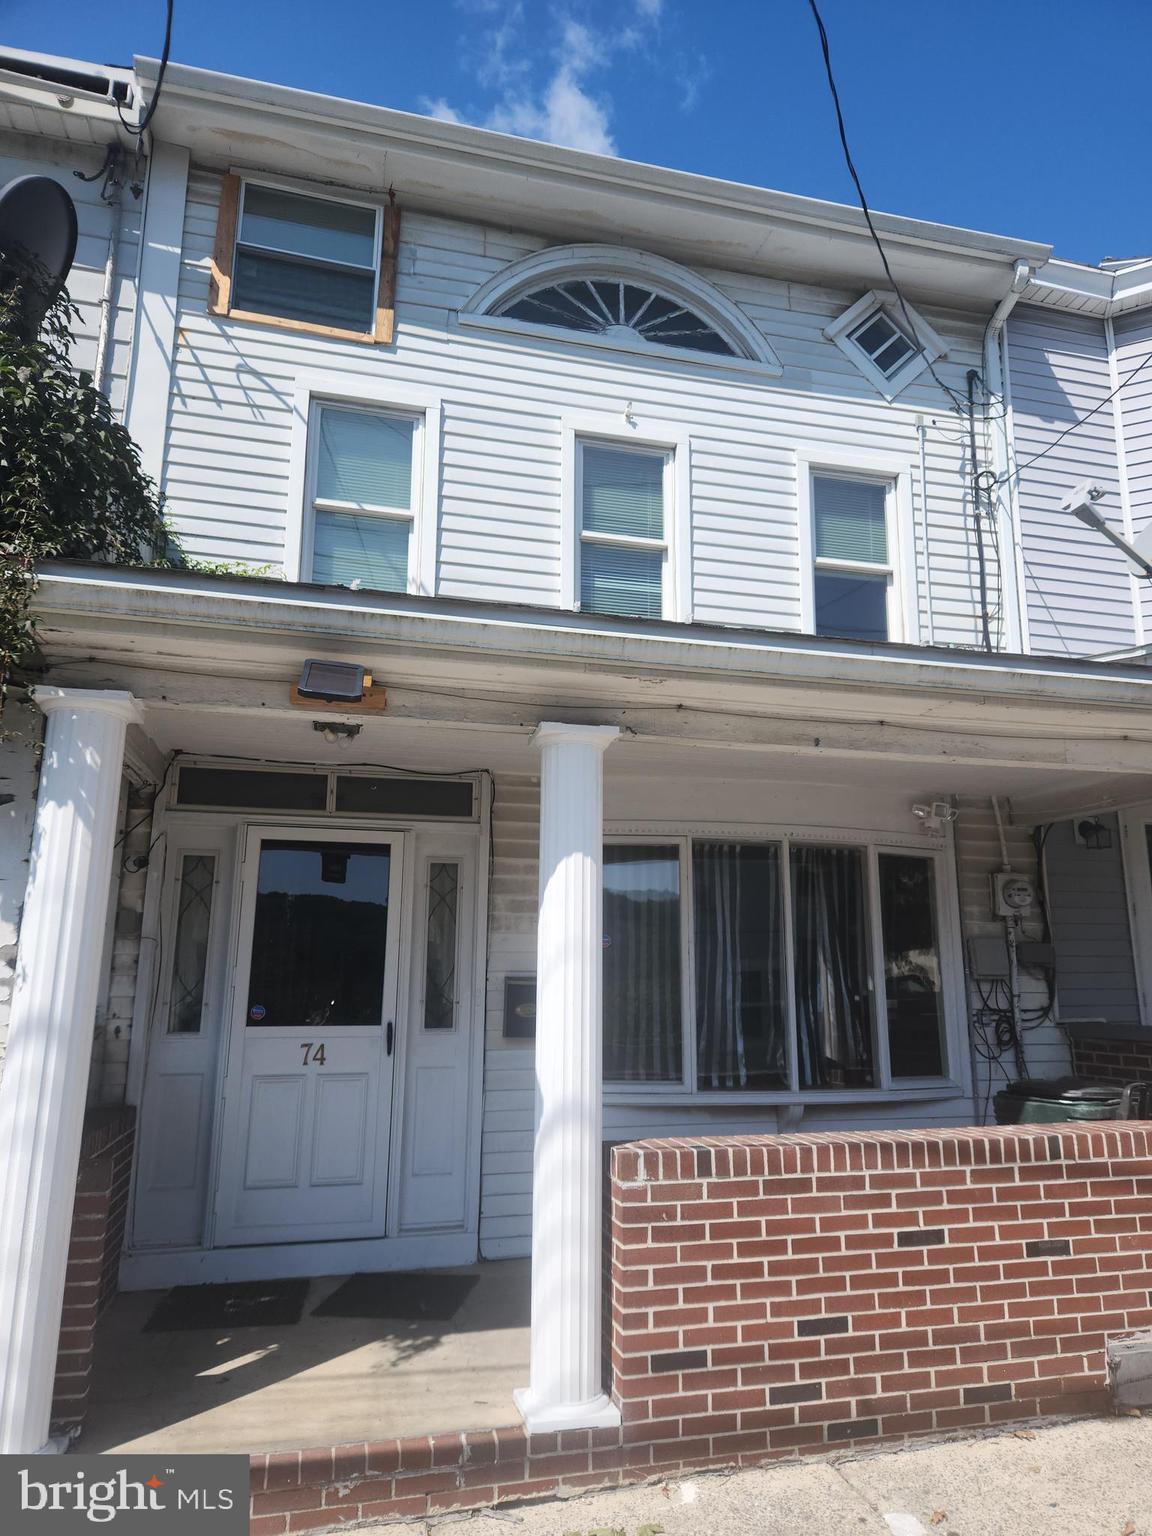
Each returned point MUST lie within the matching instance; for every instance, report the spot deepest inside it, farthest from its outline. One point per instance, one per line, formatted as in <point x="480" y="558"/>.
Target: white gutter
<point x="1007" y="510"/>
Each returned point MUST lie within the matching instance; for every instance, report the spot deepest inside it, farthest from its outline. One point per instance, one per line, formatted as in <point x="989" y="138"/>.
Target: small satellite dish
<point x="38" y="236"/>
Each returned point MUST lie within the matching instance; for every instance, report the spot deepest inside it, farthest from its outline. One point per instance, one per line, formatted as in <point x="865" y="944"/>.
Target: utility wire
<point x="1088" y="415"/>
<point x="142" y="127"/>
<point x="825" y="49"/>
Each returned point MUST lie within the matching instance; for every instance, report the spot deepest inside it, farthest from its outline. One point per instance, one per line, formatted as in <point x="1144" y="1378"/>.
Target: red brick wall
<point x="1113" y="1061"/>
<point x="98" y="1218"/>
<point x="782" y="1294"/>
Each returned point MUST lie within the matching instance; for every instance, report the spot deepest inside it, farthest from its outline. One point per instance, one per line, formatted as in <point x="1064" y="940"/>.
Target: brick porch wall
<point x="793" y="1293"/>
<point x="776" y="1296"/>
<point x="1122" y="1060"/>
<point x="98" y="1217"/>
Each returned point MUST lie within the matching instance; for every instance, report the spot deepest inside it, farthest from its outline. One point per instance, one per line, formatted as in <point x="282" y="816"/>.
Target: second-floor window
<point x="853" y="576"/>
<point x="622" y="495"/>
<point x="306" y="258"/>
<point x="364" y="469"/>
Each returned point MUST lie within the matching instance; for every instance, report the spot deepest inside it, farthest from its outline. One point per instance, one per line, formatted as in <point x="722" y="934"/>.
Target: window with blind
<point x="803" y="957"/>
<point x="622" y="496"/>
<point x="309" y="259"/>
<point x="851" y="547"/>
<point x="363" y="496"/>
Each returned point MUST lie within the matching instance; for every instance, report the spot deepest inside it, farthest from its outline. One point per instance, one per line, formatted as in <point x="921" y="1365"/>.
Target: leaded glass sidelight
<point x="622" y="311"/>
<point x="440" y="954"/>
<point x="190" y="946"/>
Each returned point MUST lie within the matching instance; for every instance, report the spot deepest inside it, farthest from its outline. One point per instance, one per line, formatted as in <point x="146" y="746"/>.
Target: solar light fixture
<point x="336" y="682"/>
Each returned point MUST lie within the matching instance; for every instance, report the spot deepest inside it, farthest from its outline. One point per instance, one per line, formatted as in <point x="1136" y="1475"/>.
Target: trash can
<point x="1046" y="1100"/>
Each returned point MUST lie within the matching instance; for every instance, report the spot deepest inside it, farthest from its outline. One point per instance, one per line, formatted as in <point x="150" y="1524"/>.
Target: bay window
<point x="777" y="966"/>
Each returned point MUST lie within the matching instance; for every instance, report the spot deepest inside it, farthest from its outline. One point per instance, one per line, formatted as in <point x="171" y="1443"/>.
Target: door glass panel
<point x="190" y="948"/>
<point x="643" y="1030"/>
<point x="440" y="959"/>
<point x="320" y="935"/>
<point x="912" y="981"/>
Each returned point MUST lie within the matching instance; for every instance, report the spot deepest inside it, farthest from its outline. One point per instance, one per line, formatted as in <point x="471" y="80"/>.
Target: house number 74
<point x="313" y="1054"/>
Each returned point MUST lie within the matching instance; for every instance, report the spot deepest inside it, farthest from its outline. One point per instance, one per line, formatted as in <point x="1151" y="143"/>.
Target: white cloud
<point x="562" y="108"/>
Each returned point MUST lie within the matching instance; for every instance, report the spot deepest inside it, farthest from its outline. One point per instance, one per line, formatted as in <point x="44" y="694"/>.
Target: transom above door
<point x="308" y="1090"/>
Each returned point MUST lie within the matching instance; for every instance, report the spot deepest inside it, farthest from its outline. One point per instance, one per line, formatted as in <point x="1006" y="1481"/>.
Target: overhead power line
<point x="142" y="127"/>
<point x="1087" y="416"/>
<point x="957" y="400"/>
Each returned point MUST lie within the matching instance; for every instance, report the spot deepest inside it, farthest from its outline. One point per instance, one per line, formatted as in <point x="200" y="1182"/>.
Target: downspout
<point x="104" y="330"/>
<point x="1006" y="509"/>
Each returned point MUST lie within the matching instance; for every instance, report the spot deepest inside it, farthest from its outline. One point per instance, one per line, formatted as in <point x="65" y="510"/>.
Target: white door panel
<point x="304" y="1146"/>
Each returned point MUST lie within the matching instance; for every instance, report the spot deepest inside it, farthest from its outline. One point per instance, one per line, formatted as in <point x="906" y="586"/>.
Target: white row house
<point x="631" y="674"/>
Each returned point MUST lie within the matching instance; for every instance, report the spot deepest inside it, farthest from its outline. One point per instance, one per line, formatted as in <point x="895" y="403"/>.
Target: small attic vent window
<point x="888" y="341"/>
<point x="883" y="343"/>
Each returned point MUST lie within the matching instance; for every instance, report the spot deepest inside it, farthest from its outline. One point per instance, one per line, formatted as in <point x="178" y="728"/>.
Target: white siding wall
<point x="22" y="155"/>
<point x="227" y="466"/>
<point x="1133" y="341"/>
<point x="1079" y="596"/>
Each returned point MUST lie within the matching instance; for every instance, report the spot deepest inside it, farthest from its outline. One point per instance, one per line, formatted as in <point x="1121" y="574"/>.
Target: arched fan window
<point x="622" y="311"/>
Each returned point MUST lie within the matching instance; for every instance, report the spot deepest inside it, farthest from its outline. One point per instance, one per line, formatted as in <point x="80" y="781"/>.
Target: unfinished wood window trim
<point x="383" y="331"/>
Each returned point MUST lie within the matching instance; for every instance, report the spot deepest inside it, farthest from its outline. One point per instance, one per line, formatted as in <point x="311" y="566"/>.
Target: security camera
<point x="1082" y="504"/>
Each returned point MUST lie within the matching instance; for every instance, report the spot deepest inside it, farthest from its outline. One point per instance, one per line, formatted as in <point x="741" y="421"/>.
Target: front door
<point x="308" y="1093"/>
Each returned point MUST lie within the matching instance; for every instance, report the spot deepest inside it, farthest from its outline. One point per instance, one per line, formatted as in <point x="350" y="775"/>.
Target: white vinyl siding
<point x="1077" y="589"/>
<point x="498" y="534"/>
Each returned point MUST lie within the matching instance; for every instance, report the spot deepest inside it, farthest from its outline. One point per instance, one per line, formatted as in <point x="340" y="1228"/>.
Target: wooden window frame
<point x="224" y="255"/>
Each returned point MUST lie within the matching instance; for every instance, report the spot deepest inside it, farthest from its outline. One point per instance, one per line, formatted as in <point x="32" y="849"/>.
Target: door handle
<point x="388" y="1036"/>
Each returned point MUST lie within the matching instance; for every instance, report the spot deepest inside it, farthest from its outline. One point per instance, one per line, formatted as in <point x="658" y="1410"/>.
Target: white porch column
<point x="45" y="1075"/>
<point x="564" y="1390"/>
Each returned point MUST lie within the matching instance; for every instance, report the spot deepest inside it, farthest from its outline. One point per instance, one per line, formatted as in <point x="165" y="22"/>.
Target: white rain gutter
<point x="1002" y="458"/>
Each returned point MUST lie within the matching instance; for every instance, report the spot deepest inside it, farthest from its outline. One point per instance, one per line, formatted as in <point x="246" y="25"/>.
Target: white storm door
<point x="308" y="1095"/>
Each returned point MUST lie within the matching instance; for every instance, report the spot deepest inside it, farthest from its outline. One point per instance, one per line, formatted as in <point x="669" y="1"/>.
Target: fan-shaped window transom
<point x="621" y="311"/>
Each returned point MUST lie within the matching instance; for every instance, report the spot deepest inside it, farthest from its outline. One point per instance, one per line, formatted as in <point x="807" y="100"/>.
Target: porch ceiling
<point x="213" y="663"/>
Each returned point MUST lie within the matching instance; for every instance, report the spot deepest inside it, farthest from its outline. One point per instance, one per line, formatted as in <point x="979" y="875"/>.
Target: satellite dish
<point x="37" y="236"/>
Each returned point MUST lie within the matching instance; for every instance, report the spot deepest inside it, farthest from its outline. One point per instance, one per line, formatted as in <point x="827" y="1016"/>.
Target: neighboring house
<point x="648" y="507"/>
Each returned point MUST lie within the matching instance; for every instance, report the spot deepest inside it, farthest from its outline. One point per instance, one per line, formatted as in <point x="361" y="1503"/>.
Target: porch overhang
<point x="1055" y="736"/>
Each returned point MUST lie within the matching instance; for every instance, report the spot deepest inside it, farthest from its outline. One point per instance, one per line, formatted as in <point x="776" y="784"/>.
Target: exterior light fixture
<point x="936" y="816"/>
<point x="1092" y="833"/>
<point x="336" y="682"/>
<point x="1081" y="504"/>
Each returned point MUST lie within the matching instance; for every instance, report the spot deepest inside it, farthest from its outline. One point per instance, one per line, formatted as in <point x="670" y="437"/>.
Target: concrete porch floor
<point x="322" y="1381"/>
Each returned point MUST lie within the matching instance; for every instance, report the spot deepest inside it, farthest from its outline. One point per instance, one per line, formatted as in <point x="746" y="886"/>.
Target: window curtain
<point x="833" y="1007"/>
<point x="643" y="1040"/>
<point x="741" y="1014"/>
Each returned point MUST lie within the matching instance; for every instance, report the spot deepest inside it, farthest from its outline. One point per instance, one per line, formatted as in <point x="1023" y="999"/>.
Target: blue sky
<point x="1006" y="115"/>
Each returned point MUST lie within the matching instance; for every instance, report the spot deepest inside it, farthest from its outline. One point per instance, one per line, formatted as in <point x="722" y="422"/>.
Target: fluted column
<point x="565" y="1390"/>
<point x="45" y="1074"/>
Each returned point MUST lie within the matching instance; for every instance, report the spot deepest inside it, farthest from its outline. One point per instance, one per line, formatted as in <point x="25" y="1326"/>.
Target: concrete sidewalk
<point x="1089" y="1477"/>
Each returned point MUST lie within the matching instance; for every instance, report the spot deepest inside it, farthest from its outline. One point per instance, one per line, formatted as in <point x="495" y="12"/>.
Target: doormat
<point x="409" y="1298"/>
<point x="249" y="1304"/>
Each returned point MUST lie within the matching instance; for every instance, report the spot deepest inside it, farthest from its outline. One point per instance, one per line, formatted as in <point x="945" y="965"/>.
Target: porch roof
<point x="175" y="638"/>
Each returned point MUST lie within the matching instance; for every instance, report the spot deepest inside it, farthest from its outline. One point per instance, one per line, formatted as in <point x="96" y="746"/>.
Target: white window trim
<point x="353" y="390"/>
<point x="661" y="437"/>
<point x="574" y="261"/>
<point x="903" y="603"/>
<point x="956" y="1080"/>
<point x="889" y="385"/>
